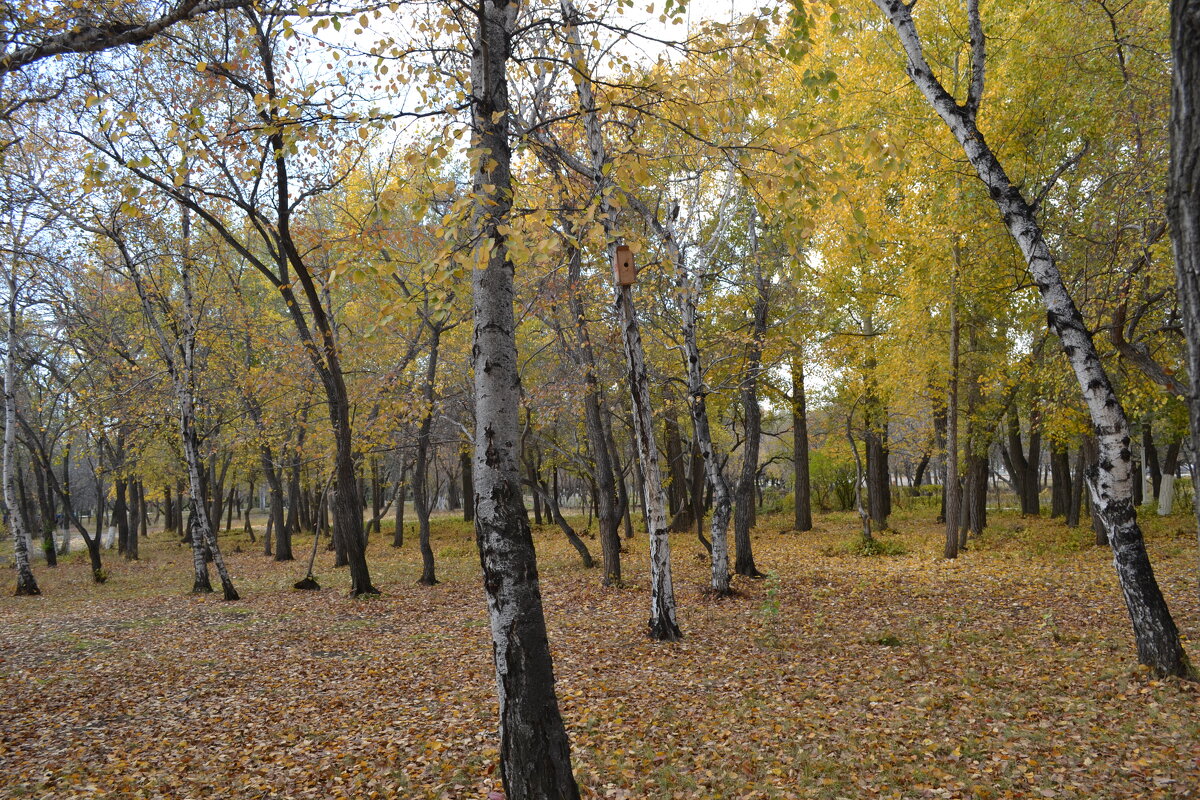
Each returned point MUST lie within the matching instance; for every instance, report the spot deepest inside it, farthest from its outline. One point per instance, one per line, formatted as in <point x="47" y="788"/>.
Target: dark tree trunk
<point x="1150" y="455"/>
<point x="879" y="492"/>
<point x="1024" y="469"/>
<point x="47" y="522"/>
<point x="802" y="520"/>
<point x="555" y="513"/>
<point x="1075" y="507"/>
<point x="169" y="509"/>
<point x="401" y="487"/>
<point x="464" y="468"/>
<point x="1184" y="201"/>
<point x="744" y="511"/>
<point x="121" y="516"/>
<point x="180" y="526"/>
<point x="678" y="505"/>
<point x="229" y="504"/>
<point x="1060" y="476"/>
<point x="532" y="473"/>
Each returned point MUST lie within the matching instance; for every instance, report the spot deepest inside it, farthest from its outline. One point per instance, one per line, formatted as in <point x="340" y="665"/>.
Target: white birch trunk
<point x="26" y="583"/>
<point x="1157" y="637"/>
<point x="1166" y="495"/>
<point x="179" y="357"/>
<point x="535" y="757"/>
<point x="1184" y="201"/>
<point x="662" y="625"/>
<point x="697" y="392"/>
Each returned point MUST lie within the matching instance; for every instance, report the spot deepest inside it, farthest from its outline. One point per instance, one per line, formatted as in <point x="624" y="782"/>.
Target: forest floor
<point x="1007" y="673"/>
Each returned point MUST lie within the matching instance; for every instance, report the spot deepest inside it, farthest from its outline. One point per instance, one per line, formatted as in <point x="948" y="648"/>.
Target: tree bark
<point x="744" y="511"/>
<point x="1184" y="202"/>
<point x="535" y="756"/>
<point x="421" y="469"/>
<point x="1060" y="478"/>
<point x="26" y="583"/>
<point x="1150" y="456"/>
<point x="803" y="488"/>
<point x="953" y="484"/>
<point x="662" y="624"/>
<point x="1158" y="642"/>
<point x="401" y="490"/>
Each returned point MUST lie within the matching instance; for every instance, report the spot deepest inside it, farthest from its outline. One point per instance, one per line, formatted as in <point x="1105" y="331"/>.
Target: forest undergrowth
<point x="1009" y="672"/>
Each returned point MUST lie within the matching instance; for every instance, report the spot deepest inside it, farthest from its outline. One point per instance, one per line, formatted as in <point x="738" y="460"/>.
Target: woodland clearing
<point x="1009" y="672"/>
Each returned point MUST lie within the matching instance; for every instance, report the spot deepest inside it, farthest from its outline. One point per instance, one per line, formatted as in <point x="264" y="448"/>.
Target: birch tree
<point x="535" y="757"/>
<point x="26" y="583"/>
<point x="1111" y="485"/>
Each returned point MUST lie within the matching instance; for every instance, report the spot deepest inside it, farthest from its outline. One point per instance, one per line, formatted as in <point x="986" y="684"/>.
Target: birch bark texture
<point x="535" y="757"/>
<point x="1111" y="485"/>
<point x="1184" y="198"/>
<point x="26" y="583"/>
<point x="608" y="496"/>
<point x="662" y="624"/>
<point x="179" y="356"/>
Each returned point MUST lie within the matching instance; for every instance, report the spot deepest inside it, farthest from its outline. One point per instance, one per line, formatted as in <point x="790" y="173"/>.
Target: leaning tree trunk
<point x="662" y="624"/>
<point x="1110" y="486"/>
<point x="535" y="755"/>
<point x="697" y="393"/>
<point x="26" y="583"/>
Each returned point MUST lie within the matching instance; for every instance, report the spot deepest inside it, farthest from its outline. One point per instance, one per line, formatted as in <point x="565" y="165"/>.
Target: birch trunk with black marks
<point x="662" y="623"/>
<point x="420" y="478"/>
<point x="1184" y="200"/>
<point x="26" y="583"/>
<point x="1111" y="488"/>
<point x="179" y="358"/>
<point x="689" y="288"/>
<point x="609" y="483"/>
<point x="535" y="755"/>
<point x="697" y="393"/>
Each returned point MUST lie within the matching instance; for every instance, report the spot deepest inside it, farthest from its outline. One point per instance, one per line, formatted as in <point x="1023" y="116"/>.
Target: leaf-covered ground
<point x="1008" y="673"/>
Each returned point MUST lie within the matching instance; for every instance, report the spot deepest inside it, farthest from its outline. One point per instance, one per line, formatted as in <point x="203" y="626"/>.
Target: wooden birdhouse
<point x="623" y="270"/>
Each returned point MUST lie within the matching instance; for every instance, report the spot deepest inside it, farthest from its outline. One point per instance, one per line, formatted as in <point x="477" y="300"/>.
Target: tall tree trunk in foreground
<point x="1111" y="488"/>
<point x="535" y="755"/>
<point x="26" y="583"/>
<point x="1184" y="200"/>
